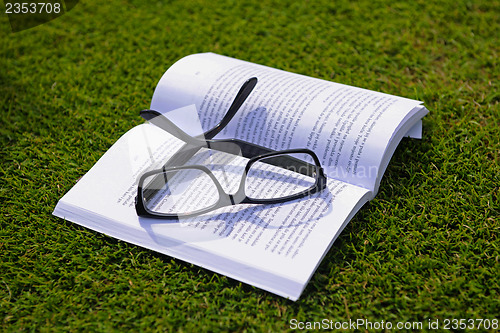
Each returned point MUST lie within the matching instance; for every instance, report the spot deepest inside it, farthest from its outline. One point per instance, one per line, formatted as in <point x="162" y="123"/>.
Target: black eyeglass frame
<point x="239" y="197"/>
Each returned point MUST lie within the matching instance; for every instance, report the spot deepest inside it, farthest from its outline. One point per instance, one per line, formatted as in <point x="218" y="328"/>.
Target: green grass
<point x="427" y="247"/>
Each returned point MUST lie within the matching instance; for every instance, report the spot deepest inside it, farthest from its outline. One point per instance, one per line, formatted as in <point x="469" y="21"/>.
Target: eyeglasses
<point x="258" y="174"/>
<point x="186" y="191"/>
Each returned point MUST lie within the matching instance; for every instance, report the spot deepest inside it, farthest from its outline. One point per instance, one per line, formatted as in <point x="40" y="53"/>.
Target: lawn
<point x="425" y="249"/>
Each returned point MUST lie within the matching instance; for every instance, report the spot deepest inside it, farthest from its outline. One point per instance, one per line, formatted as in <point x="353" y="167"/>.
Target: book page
<point x="275" y="247"/>
<point x="349" y="128"/>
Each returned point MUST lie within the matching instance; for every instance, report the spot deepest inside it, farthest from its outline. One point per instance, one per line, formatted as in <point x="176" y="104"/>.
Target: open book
<point x="276" y="247"/>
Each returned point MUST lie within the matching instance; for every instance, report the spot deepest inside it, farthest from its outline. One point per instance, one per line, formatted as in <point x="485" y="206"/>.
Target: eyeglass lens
<point x="179" y="191"/>
<point x="280" y="176"/>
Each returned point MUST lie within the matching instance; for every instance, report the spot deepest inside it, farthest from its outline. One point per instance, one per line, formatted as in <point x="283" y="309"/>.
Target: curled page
<point x="349" y="128"/>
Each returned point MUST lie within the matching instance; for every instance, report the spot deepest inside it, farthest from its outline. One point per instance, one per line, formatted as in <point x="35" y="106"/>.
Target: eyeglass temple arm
<point x="247" y="149"/>
<point x="182" y="156"/>
<point x="165" y="124"/>
<point x="240" y="98"/>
